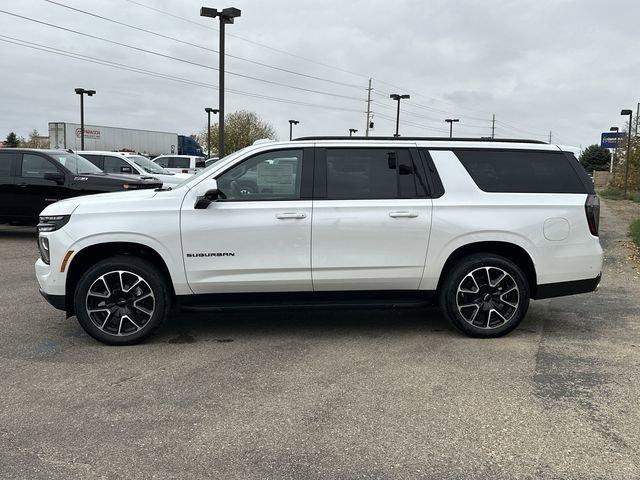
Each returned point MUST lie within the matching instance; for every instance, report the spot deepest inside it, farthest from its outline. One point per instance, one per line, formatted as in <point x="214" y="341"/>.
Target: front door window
<point x="267" y="176"/>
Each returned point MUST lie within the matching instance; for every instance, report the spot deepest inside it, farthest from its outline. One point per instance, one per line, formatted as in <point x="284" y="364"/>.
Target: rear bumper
<point x="56" y="301"/>
<point x="561" y="289"/>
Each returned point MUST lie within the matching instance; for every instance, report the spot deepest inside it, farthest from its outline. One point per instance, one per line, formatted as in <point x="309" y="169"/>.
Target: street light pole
<point x="209" y="112"/>
<point x="451" y="121"/>
<point x="397" y="97"/>
<point x="291" y="124"/>
<point x="82" y="92"/>
<point x="626" y="168"/>
<point x="352" y="131"/>
<point x="226" y="16"/>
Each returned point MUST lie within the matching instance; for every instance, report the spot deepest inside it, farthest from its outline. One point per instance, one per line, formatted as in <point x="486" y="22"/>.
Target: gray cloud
<point x="562" y="65"/>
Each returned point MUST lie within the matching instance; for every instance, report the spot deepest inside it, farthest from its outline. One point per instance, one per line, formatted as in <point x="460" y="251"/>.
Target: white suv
<point x="479" y="226"/>
<point x="125" y="162"/>
<point x="181" y="163"/>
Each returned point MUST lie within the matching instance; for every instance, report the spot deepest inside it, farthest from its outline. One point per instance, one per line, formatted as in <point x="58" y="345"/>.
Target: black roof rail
<point x="438" y="139"/>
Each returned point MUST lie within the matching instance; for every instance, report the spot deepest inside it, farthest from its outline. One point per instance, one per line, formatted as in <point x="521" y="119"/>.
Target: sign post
<point x="610" y="140"/>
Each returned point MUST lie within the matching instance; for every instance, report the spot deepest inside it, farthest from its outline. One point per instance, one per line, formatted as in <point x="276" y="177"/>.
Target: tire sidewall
<point x="140" y="267"/>
<point x="459" y="271"/>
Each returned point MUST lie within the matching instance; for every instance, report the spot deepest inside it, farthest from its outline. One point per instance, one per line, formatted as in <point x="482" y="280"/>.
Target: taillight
<point x="592" y="209"/>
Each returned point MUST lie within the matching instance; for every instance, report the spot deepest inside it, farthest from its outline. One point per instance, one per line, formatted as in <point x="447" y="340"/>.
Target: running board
<point x="305" y="300"/>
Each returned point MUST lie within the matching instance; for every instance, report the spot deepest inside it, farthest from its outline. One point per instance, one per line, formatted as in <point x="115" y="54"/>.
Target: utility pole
<point x="369" y="108"/>
<point x="637" y="117"/>
<point x="493" y="126"/>
<point x="549" y="136"/>
<point x="226" y="16"/>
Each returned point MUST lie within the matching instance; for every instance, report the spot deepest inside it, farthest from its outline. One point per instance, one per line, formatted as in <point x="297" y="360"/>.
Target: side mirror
<point x="55" y="177"/>
<point x="126" y="169"/>
<point x="207" y="192"/>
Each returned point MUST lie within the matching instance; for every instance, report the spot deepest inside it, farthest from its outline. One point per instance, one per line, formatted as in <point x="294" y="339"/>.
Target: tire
<point x="122" y="300"/>
<point x="484" y="295"/>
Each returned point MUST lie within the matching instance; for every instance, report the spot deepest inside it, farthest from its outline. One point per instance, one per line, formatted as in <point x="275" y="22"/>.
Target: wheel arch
<point x="92" y="254"/>
<point x="508" y="250"/>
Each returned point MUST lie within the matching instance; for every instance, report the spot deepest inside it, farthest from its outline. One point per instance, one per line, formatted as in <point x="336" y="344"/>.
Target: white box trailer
<point x="64" y="135"/>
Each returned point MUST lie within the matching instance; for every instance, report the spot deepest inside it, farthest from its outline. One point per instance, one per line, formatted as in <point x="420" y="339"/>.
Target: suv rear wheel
<point x="485" y="295"/>
<point x="122" y="300"/>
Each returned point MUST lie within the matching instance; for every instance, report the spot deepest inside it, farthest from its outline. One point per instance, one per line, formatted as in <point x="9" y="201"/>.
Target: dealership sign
<point x="88" y="133"/>
<point x="610" y="139"/>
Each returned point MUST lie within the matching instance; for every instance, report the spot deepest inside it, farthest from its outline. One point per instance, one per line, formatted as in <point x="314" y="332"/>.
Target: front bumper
<point x="56" y="301"/>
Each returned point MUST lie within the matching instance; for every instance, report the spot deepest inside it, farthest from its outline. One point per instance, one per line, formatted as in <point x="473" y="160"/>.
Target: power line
<point x="202" y="47"/>
<point x="417" y="105"/>
<point x="159" y="54"/>
<point x="429" y="98"/>
<point x="245" y="39"/>
<point x="78" y="56"/>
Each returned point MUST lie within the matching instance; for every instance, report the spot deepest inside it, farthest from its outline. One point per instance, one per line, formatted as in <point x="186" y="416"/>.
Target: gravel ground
<point x="326" y="394"/>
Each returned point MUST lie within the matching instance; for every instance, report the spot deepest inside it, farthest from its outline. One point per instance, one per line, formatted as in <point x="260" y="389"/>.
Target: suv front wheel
<point x="122" y="300"/>
<point x="485" y="295"/>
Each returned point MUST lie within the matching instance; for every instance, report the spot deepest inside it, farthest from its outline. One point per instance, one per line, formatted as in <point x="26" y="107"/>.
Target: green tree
<point x="241" y="129"/>
<point x="594" y="157"/>
<point x="12" y="141"/>
<point x="36" y="140"/>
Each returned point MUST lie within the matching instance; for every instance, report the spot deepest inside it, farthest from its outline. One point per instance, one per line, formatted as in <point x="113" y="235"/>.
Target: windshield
<point x="207" y="170"/>
<point x="76" y="163"/>
<point x="147" y="165"/>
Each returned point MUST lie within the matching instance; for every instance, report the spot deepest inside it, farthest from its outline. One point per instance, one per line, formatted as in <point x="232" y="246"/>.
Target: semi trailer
<point x="63" y="135"/>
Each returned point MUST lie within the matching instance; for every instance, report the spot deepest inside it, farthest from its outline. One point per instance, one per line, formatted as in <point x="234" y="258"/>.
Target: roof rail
<point x="431" y="139"/>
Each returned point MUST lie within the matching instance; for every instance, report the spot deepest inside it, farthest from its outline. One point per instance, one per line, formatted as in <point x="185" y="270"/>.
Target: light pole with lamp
<point x="397" y="97"/>
<point x="451" y="121"/>
<point x="226" y="16"/>
<point x="82" y="92"/>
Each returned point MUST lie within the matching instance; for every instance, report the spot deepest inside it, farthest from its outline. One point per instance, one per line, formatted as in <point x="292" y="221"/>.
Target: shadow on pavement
<point x="187" y="327"/>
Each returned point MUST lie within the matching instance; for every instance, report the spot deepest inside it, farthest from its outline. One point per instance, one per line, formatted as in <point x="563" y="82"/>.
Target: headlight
<point x="43" y="246"/>
<point x="52" y="223"/>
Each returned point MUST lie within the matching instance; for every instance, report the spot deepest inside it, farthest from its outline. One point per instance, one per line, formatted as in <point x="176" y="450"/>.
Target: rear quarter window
<point x="517" y="171"/>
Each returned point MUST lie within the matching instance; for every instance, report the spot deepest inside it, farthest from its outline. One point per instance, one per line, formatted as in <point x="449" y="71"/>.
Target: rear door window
<point x="371" y="173"/>
<point x="7" y="160"/>
<point x="35" y="166"/>
<point x="116" y="165"/>
<point x="163" y="162"/>
<point x="179" y="162"/>
<point x="521" y="171"/>
<point x="97" y="160"/>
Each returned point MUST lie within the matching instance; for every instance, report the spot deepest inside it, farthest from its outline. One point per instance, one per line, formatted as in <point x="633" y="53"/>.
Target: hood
<point x="107" y="179"/>
<point x="66" y="207"/>
<point x="174" y="179"/>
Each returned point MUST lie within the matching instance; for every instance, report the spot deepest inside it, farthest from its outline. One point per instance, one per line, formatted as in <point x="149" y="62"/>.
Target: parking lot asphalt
<point x="340" y="394"/>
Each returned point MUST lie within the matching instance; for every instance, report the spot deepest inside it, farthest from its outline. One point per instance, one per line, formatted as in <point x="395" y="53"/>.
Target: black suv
<point x="32" y="179"/>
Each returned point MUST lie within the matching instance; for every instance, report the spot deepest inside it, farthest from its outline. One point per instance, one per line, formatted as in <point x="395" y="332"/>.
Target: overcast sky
<point x="566" y="66"/>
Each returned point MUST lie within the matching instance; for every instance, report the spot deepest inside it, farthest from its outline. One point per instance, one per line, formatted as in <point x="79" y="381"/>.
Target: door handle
<point x="403" y="214"/>
<point x="23" y="185"/>
<point x="287" y="215"/>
